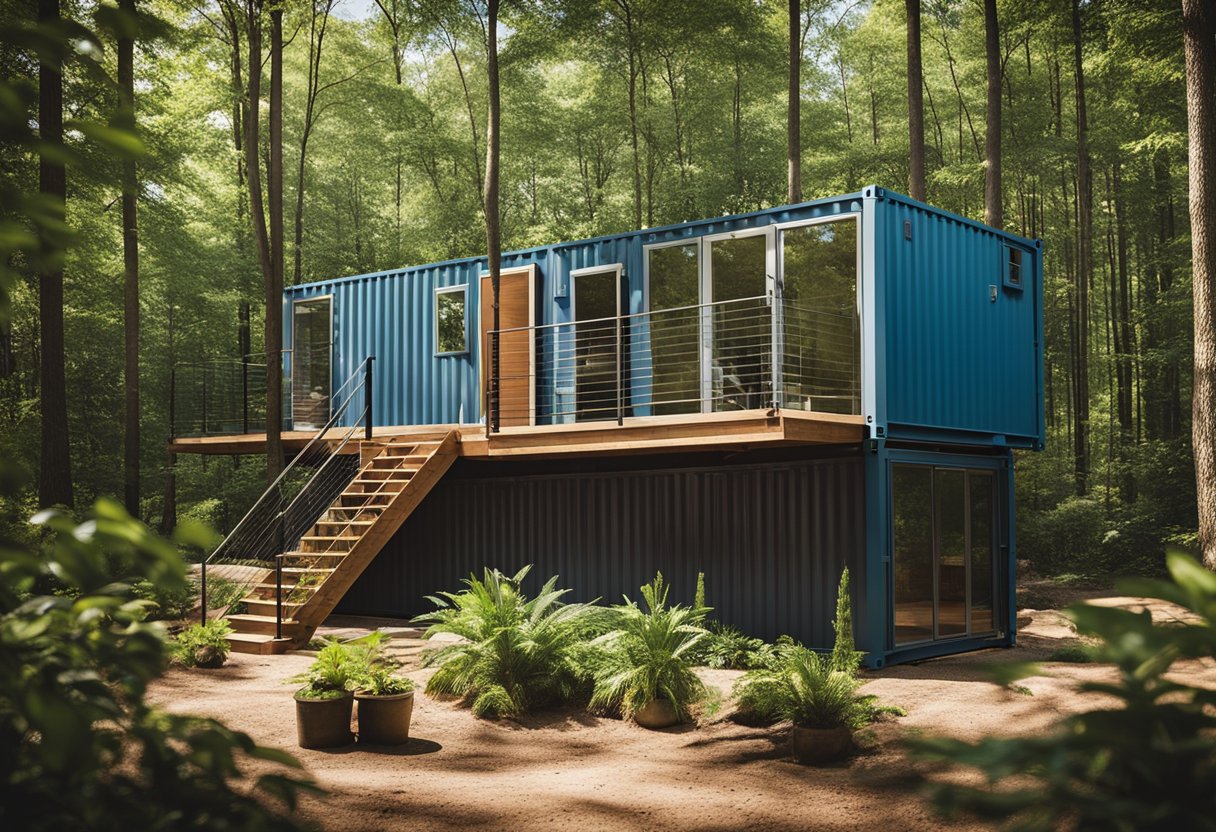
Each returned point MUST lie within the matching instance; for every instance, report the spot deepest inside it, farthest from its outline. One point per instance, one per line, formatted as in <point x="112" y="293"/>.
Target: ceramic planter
<point x="385" y="720"/>
<point x="815" y="746"/>
<point x="657" y="713"/>
<point x="324" y="723"/>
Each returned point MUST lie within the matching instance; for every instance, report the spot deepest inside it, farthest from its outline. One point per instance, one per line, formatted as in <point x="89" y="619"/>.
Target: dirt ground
<point x="565" y="769"/>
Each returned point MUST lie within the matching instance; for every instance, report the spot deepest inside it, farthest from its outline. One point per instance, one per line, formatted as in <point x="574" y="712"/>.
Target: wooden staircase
<point x="393" y="478"/>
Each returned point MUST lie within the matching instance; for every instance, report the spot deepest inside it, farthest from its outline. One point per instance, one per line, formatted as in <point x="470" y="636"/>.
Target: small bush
<point x="372" y="671"/>
<point x="519" y="652"/>
<point x="332" y="674"/>
<point x="645" y="656"/>
<point x="203" y="645"/>
<point x="1075" y="654"/>
<point x="728" y="648"/>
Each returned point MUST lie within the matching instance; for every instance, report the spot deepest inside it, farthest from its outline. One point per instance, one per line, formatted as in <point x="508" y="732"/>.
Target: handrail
<point x="268" y="510"/>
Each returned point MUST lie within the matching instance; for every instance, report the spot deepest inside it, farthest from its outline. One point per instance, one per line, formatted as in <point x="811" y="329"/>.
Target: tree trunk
<point x="130" y="257"/>
<point x="1085" y="266"/>
<point x="490" y="192"/>
<point x="1124" y="340"/>
<point x="55" y="477"/>
<point x="316" y="40"/>
<point x="993" y="208"/>
<point x="794" y="119"/>
<point x="1199" y="44"/>
<point x="274" y="285"/>
<point x="916" y="105"/>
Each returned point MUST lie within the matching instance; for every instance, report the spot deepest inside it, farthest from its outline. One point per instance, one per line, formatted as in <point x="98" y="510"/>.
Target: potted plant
<point x="641" y="668"/>
<point x="816" y="692"/>
<point x="203" y="645"/>
<point x="384" y="700"/>
<point x="325" y="703"/>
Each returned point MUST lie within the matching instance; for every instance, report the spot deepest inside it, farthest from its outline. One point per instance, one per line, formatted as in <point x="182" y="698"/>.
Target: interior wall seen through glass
<point x="311" y="375"/>
<point x="821" y="368"/>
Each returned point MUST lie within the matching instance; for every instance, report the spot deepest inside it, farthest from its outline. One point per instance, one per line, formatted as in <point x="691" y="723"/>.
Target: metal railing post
<point x="368" y="382"/>
<point x="244" y="394"/>
<point x="204" y="400"/>
<point x="777" y="347"/>
<point x="278" y="595"/>
<point x="202" y="587"/>
<point x="620" y="390"/>
<point x="492" y="418"/>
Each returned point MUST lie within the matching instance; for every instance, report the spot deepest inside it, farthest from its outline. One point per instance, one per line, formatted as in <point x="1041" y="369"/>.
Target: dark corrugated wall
<point x="771" y="538"/>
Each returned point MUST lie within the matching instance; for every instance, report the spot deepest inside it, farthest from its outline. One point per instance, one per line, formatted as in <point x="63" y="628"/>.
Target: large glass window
<point x="742" y="336"/>
<point x="451" y="331"/>
<point x="672" y="341"/>
<point x="310" y="363"/>
<point x="821" y="368"/>
<point x="944" y="546"/>
<point x="596" y="300"/>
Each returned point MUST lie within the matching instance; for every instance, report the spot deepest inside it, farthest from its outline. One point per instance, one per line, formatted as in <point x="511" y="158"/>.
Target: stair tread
<point x="261" y="619"/>
<point x="289" y="587"/>
<point x="301" y="570"/>
<point x="251" y="638"/>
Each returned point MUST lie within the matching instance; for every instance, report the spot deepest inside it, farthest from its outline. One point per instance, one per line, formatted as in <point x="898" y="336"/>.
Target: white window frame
<point x="462" y="288"/>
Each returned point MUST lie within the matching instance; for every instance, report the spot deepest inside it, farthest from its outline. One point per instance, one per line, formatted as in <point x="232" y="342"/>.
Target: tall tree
<point x="274" y="285"/>
<point x="794" y="117"/>
<point x="1199" y="45"/>
<point x="318" y="22"/>
<point x="993" y="207"/>
<point x="130" y="257"/>
<point x="55" y="477"/>
<point x="490" y="193"/>
<point x="1085" y="266"/>
<point x="916" y="105"/>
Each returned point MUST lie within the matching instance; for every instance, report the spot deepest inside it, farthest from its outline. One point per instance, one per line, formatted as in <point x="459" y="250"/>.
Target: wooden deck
<point x="737" y="430"/>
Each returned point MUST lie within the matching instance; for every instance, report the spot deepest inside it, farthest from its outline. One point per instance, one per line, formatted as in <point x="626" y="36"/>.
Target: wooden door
<point x="517" y="344"/>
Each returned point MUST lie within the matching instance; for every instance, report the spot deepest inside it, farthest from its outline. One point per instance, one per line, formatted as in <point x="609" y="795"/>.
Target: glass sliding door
<point x="311" y="363"/>
<point x="944" y="528"/>
<point x="670" y="335"/>
<point x="740" y="334"/>
<point x="821" y="367"/>
<point x="596" y="311"/>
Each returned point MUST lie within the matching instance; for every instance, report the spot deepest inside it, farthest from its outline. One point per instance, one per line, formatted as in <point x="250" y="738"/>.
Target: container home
<point x="766" y="398"/>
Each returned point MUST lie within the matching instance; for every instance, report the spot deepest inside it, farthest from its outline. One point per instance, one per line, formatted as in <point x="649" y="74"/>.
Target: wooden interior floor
<point x="738" y="430"/>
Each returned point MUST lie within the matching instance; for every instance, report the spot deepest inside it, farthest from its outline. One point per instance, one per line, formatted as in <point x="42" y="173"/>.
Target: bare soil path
<point x="567" y="770"/>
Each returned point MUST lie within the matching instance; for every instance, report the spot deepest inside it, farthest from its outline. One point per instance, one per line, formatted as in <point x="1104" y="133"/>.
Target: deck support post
<point x="244" y="394"/>
<point x="202" y="590"/>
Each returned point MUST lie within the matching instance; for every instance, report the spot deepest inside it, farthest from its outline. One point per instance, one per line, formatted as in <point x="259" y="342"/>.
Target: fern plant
<point x="203" y="645"/>
<point x="803" y="688"/>
<point x="518" y="652"/>
<point x="647" y="656"/>
<point x="332" y="674"/>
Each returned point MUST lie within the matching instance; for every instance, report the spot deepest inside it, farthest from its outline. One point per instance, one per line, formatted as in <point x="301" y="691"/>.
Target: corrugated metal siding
<point x="771" y="538"/>
<point x="954" y="359"/>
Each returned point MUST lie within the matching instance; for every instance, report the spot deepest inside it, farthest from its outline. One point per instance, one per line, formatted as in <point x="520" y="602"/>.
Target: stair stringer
<point x="314" y="612"/>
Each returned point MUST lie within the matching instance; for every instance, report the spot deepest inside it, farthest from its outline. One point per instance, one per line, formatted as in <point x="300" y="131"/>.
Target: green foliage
<point x="811" y="689"/>
<point x="1075" y="654"/>
<point x="802" y="687"/>
<point x="519" y="653"/>
<point x="1148" y="762"/>
<point x="373" y="671"/>
<point x="727" y="647"/>
<point x="845" y="656"/>
<point x="333" y="673"/>
<point x="646" y="656"/>
<point x="211" y="637"/>
<point x="83" y="750"/>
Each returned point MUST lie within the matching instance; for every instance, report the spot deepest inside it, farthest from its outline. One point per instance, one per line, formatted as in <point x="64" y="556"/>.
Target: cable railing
<point x="302" y="493"/>
<point x="226" y="396"/>
<point x="745" y="354"/>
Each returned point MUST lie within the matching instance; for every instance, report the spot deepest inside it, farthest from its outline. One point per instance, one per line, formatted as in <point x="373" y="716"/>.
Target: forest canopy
<point x="617" y="114"/>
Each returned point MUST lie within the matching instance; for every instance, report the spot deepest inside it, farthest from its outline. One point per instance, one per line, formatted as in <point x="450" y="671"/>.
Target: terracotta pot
<point x="324" y="723"/>
<point x="657" y="713"/>
<point x="821" y="745"/>
<point x="385" y="720"/>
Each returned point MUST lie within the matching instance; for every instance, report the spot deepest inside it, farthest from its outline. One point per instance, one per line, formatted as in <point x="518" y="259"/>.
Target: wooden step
<point x="264" y="606"/>
<point x="316" y="558"/>
<point x="377" y="486"/>
<point x="265" y="592"/>
<point x="401" y="473"/>
<point x="365" y="499"/>
<point x="313" y="543"/>
<point x="251" y="623"/>
<point x="387" y="462"/>
<point x="336" y="514"/>
<point x="258" y="645"/>
<point x="330" y="527"/>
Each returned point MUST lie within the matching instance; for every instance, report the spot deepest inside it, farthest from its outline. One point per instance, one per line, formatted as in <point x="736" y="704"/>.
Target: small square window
<point x="1015" y="266"/>
<point x="450" y="330"/>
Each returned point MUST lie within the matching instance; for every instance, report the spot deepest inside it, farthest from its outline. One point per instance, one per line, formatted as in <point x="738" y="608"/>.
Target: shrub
<point x="1148" y="763"/>
<point x="519" y="653"/>
<point x="1067" y="538"/>
<point x="203" y="645"/>
<point x="82" y="747"/>
<point x="728" y="648"/>
<point x="645" y="656"/>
